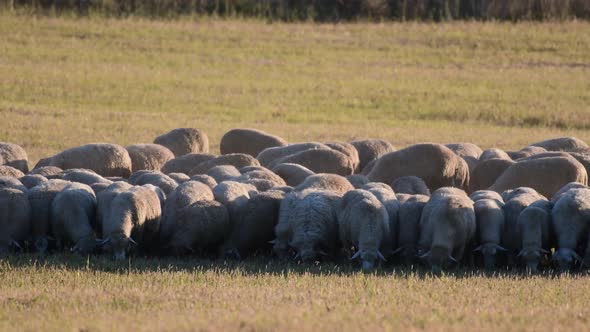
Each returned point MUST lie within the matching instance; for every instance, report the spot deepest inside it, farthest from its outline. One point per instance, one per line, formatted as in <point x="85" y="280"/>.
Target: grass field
<point x="64" y="82"/>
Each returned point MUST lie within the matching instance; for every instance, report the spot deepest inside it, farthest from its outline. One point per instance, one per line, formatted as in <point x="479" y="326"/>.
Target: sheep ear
<point x="425" y="255"/>
<point x="132" y="241"/>
<point x="381" y="256"/>
<point x="499" y="247"/>
<point x="478" y="248"/>
<point x="355" y="256"/>
<point x="397" y="251"/>
<point x="272" y="242"/>
<point x="545" y="251"/>
<point x="103" y="242"/>
<point x="14" y="243"/>
<point x="323" y="253"/>
<point x="453" y="259"/>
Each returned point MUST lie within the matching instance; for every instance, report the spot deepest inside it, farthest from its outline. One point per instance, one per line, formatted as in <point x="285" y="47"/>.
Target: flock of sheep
<point x="438" y="205"/>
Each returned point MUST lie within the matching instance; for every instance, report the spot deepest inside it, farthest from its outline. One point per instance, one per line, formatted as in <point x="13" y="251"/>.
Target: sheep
<point x="248" y="141"/>
<point x="32" y="180"/>
<point x="223" y="172"/>
<point x="148" y="156"/>
<point x="363" y="223"/>
<point x="84" y="176"/>
<point x="447" y="227"/>
<point x="254" y="227"/>
<point x="269" y="156"/>
<point x="412" y="185"/>
<point x="233" y="195"/>
<point x="387" y="197"/>
<point x="487" y="172"/>
<point x="534" y="223"/>
<point x="436" y="164"/>
<point x="565" y="189"/>
<point x="486" y="194"/>
<point x="183" y="196"/>
<point x="15" y="218"/>
<point x="493" y="153"/>
<point x="40" y="198"/>
<point x="15" y="156"/>
<point x="292" y="174"/>
<point x="102" y="158"/>
<point x="583" y="157"/>
<point x="357" y="180"/>
<point x="562" y="144"/>
<point x="490" y="221"/>
<point x="332" y="182"/>
<point x="10" y="182"/>
<point x="371" y="149"/>
<point x="184" y="164"/>
<point x="10" y="171"/>
<point x="307" y="224"/>
<point x="238" y="160"/>
<point x="410" y="212"/>
<point x="183" y="141"/>
<point x="516" y="202"/>
<point x="526" y="152"/>
<point x="134" y="219"/>
<point x="104" y="198"/>
<point x="348" y="149"/>
<point x="206" y="179"/>
<point x="160" y="180"/>
<point x="367" y="169"/>
<point x="98" y="187"/>
<point x="201" y="226"/>
<point x="261" y="173"/>
<point x="179" y="177"/>
<point x="49" y="172"/>
<point x="320" y="161"/>
<point x="570" y="220"/>
<point x="546" y="175"/>
<point x="468" y="151"/>
<point x="72" y="218"/>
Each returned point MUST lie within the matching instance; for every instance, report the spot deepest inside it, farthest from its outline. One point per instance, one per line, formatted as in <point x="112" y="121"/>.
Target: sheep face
<point x="85" y="246"/>
<point x="565" y="259"/>
<point x="438" y="257"/>
<point x="42" y="244"/>
<point x="118" y="245"/>
<point x="532" y="258"/>
<point x="489" y="251"/>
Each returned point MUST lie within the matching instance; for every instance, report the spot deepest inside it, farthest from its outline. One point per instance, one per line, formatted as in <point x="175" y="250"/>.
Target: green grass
<point x="64" y="82"/>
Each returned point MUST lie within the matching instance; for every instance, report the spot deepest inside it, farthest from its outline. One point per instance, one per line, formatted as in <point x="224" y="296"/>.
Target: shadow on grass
<point x="259" y="265"/>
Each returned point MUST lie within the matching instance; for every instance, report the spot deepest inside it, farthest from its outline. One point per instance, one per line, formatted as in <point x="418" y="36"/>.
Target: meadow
<point x="67" y="81"/>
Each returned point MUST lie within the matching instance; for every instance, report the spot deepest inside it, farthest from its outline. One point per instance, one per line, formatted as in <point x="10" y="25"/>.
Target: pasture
<point x="65" y="82"/>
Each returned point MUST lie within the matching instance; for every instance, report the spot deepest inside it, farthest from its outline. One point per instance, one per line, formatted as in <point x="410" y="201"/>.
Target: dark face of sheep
<point x="489" y="251"/>
<point x="85" y="246"/>
<point x="42" y="244"/>
<point x="307" y="251"/>
<point x="369" y="259"/>
<point x="8" y="245"/>
<point x="438" y="258"/>
<point x="565" y="259"/>
<point x="532" y="258"/>
<point x="118" y="245"/>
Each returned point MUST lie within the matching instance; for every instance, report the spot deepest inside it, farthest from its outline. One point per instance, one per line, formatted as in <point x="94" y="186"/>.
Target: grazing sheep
<point x="546" y="175"/>
<point x="411" y="185"/>
<point x="201" y="226"/>
<point x="363" y="223"/>
<point x="493" y="154"/>
<point x="260" y="173"/>
<point x="292" y="174"/>
<point x="136" y="175"/>
<point x="489" y="217"/>
<point x="570" y="219"/>
<point x="534" y="223"/>
<point x="179" y="177"/>
<point x="410" y="213"/>
<point x="248" y="141"/>
<point x="148" y="156"/>
<point x="238" y="160"/>
<point x="254" y="227"/>
<point x="320" y="161"/>
<point x="516" y="202"/>
<point x="160" y="180"/>
<point x="15" y="218"/>
<point x="72" y="218"/>
<point x="14" y="156"/>
<point x="447" y="227"/>
<point x="566" y="188"/>
<point x="331" y="182"/>
<point x="526" y="152"/>
<point x="487" y="172"/>
<point x="32" y="180"/>
<point x="102" y="158"/>
<point x="183" y="141"/>
<point x="486" y="194"/>
<point x="183" y="196"/>
<point x="269" y="156"/>
<point x="307" y="224"/>
<point x="84" y="176"/>
<point x="357" y="180"/>
<point x="10" y="171"/>
<point x="233" y="195"/>
<point x="40" y="198"/>
<point x="369" y="150"/>
<point x="104" y="198"/>
<point x="562" y="144"/>
<point x="134" y="219"/>
<point x="387" y="197"/>
<point x="206" y="179"/>
<point x="10" y="182"/>
<point x="468" y="151"/>
<point x="223" y="173"/>
<point x="436" y="164"/>
<point x="348" y="149"/>
<point x="184" y="164"/>
<point x="50" y="172"/>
